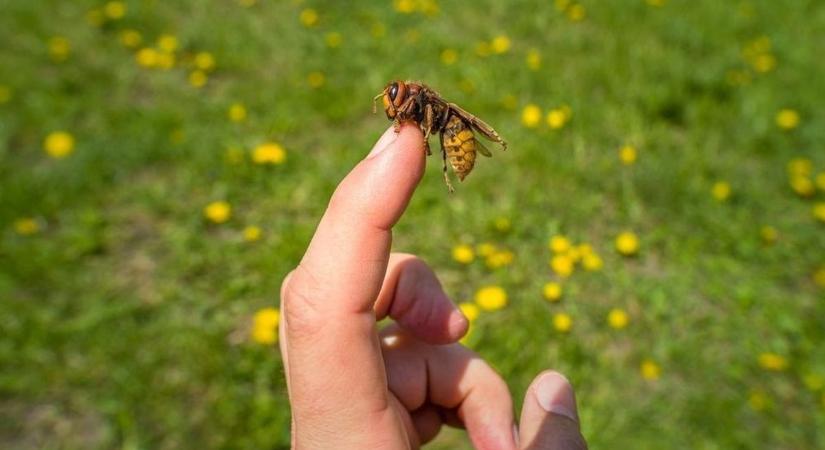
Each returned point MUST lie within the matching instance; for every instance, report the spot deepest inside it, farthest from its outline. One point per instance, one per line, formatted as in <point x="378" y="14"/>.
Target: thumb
<point x="549" y="419"/>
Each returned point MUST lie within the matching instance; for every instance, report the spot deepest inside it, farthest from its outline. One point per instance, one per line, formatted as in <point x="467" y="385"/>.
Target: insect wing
<point x="477" y="124"/>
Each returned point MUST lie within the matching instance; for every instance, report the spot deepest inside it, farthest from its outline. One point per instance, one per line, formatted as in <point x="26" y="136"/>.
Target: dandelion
<point x="463" y="254"/>
<point x="168" y="43"/>
<point x="800" y="167"/>
<point x="721" y="191"/>
<point x="59" y="144"/>
<point x="627" y="155"/>
<point x="562" y="265"/>
<point x="470" y="310"/>
<point x="333" y="39"/>
<point x="404" y="6"/>
<point x="147" y="57"/>
<point x="531" y="116"/>
<point x="557" y="118"/>
<point x="449" y="56"/>
<point x="802" y="185"/>
<point x="165" y="60"/>
<point x="269" y="153"/>
<point x="552" y="291"/>
<point x="499" y="258"/>
<point x="574" y="254"/>
<point x="814" y="381"/>
<point x="491" y="298"/>
<point x="59" y="48"/>
<point x="502" y="224"/>
<point x="130" y="38"/>
<point x="819" y="277"/>
<point x="485" y="249"/>
<point x="26" y="226"/>
<point x="758" y="401"/>
<point x="533" y="59"/>
<point x="650" y="370"/>
<point x="308" y="17"/>
<point x="764" y="62"/>
<point x="236" y="112"/>
<point x="576" y="13"/>
<point x="265" y="326"/>
<point x="819" y="211"/>
<point x="772" y="362"/>
<point x="198" y="78"/>
<point x="5" y="94"/>
<point x="114" y="10"/>
<point x="627" y="243"/>
<point x="768" y="234"/>
<point x="500" y="44"/>
<point x="204" y="61"/>
<point x="820" y="177"/>
<point x="559" y="243"/>
<point x="617" y="318"/>
<point x="562" y="322"/>
<point x="251" y="233"/>
<point x="592" y="262"/>
<point x="217" y="212"/>
<point x="316" y="79"/>
<point x="787" y="119"/>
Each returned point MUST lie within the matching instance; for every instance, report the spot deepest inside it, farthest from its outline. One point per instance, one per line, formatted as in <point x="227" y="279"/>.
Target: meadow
<point x="655" y="231"/>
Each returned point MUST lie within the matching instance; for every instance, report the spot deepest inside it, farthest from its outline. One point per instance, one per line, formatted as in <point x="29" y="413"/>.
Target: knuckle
<point x="300" y="303"/>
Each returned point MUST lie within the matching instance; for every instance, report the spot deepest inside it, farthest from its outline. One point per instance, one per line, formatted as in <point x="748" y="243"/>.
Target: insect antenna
<point x="375" y="100"/>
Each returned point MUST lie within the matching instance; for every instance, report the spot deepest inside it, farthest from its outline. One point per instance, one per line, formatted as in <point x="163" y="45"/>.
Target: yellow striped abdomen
<point x="460" y="145"/>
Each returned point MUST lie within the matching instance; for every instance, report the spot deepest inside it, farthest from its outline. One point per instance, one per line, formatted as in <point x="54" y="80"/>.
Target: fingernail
<point x="457" y="323"/>
<point x="383" y="142"/>
<point x="516" y="438"/>
<point x="555" y="395"/>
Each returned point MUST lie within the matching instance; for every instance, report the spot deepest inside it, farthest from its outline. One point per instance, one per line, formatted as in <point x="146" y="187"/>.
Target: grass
<point x="125" y="316"/>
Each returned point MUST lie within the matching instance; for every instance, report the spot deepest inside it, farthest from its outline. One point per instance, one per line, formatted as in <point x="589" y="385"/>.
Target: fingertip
<point x="458" y="325"/>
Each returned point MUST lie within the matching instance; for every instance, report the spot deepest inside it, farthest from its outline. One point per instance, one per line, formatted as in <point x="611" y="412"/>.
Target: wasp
<point x="416" y="102"/>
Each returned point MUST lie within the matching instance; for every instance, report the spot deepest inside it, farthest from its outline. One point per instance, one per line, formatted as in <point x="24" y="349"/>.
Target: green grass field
<point x="126" y="312"/>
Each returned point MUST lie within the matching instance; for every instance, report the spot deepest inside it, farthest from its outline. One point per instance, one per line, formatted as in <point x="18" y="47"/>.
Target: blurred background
<point x="655" y="229"/>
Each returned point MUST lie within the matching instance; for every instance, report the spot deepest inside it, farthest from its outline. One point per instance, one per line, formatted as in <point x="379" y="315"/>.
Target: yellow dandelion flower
<point x="574" y="254"/>
<point x="627" y="155"/>
<point x="316" y="79"/>
<point x="165" y="60"/>
<point x="114" y="10"/>
<point x="308" y="17"/>
<point x="500" y="44"/>
<point x="147" y="57"/>
<point x="269" y="153"/>
<point x="265" y="326"/>
<point x="463" y="253"/>
<point x="333" y="39"/>
<point x="559" y="243"/>
<point x="802" y="185"/>
<point x="799" y="166"/>
<point x="252" y="233"/>
<point x="491" y="298"/>
<point x="764" y="62"/>
<point x="59" y="48"/>
<point x="820" y="177"/>
<point x="5" y="94"/>
<point x="502" y="224"/>
<point x="95" y="17"/>
<point x="198" y="78"/>
<point x="650" y="370"/>
<point x="404" y="6"/>
<point x="470" y="310"/>
<point x="585" y="249"/>
<point x="772" y="362"/>
<point x="627" y="243"/>
<point x="758" y="401"/>
<point x="483" y="49"/>
<point x="768" y="234"/>
<point x="499" y="259"/>
<point x="26" y="226"/>
<point x="236" y="112"/>
<point x="617" y="318"/>
<point x="819" y="277"/>
<point x="562" y="322"/>
<point x="531" y="116"/>
<point x="818" y="211"/>
<point x="204" y="61"/>
<point x="217" y="212"/>
<point x="562" y="265"/>
<point x="168" y="43"/>
<point x="556" y="118"/>
<point x="449" y="56"/>
<point x="59" y="144"/>
<point x="533" y="59"/>
<point x="552" y="291"/>
<point x="130" y="38"/>
<point x="592" y="262"/>
<point x="721" y="191"/>
<point x="787" y="119"/>
<point x="814" y="381"/>
<point x="576" y="13"/>
<point x="486" y="249"/>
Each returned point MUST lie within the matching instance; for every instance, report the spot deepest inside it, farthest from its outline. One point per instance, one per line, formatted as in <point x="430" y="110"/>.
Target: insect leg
<point x="428" y="127"/>
<point x="444" y="161"/>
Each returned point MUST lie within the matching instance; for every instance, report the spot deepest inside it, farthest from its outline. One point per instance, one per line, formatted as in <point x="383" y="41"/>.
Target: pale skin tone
<point x="353" y="386"/>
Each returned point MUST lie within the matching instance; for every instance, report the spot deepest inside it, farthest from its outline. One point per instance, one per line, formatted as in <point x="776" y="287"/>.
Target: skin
<point x="353" y="386"/>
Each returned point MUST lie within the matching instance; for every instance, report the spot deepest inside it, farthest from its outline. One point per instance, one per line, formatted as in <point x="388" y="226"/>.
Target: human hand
<point x="351" y="388"/>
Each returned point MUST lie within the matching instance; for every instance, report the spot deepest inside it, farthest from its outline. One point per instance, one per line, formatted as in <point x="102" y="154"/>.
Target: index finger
<point x="328" y="299"/>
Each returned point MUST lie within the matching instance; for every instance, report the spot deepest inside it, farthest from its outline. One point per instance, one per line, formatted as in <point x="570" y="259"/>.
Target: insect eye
<point x="393" y="91"/>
